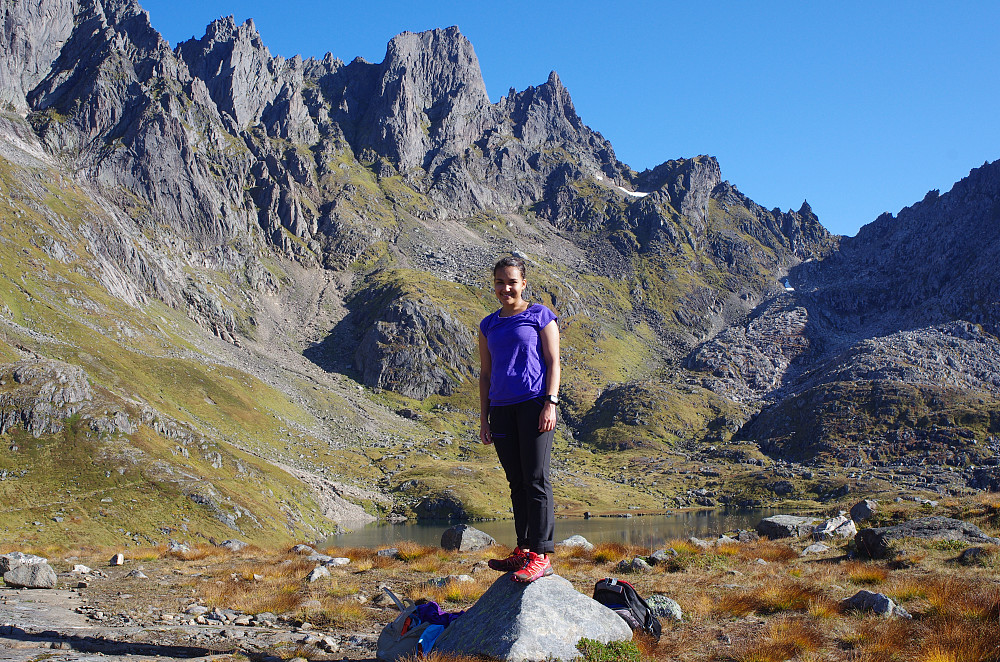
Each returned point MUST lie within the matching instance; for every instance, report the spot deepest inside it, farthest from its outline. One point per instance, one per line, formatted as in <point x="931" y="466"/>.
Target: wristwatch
<point x="554" y="399"/>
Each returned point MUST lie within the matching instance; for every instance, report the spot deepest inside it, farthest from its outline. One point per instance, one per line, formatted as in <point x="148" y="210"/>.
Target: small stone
<point x="877" y="603"/>
<point x="664" y="607"/>
<point x="337" y="561"/>
<point x="137" y="574"/>
<point x="444" y="581"/>
<point x="659" y="556"/>
<point x="80" y="569"/>
<point x="815" y="548"/>
<point x="303" y="549"/>
<point x="196" y="610"/>
<point x="117" y="559"/>
<point x="390" y="552"/>
<point x="318" y="573"/>
<point x="464" y="538"/>
<point x="864" y="510"/>
<point x="234" y="545"/>
<point x="577" y="541"/>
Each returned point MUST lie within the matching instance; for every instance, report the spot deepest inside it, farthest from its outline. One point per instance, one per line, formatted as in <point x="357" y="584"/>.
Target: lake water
<point x="650" y="530"/>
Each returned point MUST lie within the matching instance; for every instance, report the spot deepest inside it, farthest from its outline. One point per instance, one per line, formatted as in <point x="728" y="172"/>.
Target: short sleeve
<point x="545" y="316"/>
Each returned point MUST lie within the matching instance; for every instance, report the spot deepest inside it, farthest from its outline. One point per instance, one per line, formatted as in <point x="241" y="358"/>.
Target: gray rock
<point x="80" y="569"/>
<point x="117" y="559"/>
<point x="337" y="561"/>
<point x="864" y="510"/>
<point x="137" y="574"/>
<point x="234" y="545"/>
<point x="13" y="560"/>
<point x="174" y="547"/>
<point x="537" y="621"/>
<point x="35" y="575"/>
<point x="878" y="543"/>
<point x="317" y="573"/>
<point x="664" y="607"/>
<point x="196" y="610"/>
<point x="638" y="564"/>
<point x="576" y="541"/>
<point x="444" y="581"/>
<point x="660" y="556"/>
<point x="815" y="548"/>
<point x="876" y="603"/>
<point x="699" y="543"/>
<point x="465" y="538"/>
<point x="319" y="558"/>
<point x="785" y="526"/>
<point x="303" y="549"/>
<point x="836" y="527"/>
<point x="389" y="552"/>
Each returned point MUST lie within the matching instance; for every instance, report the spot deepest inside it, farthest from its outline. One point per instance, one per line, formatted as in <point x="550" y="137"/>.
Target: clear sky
<point x="857" y="107"/>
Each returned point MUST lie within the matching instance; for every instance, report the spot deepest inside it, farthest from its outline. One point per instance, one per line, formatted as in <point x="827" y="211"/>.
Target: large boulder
<point x="36" y="575"/>
<point x="13" y="560"/>
<point x="785" y="526"/>
<point x="538" y="621"/>
<point x="878" y="543"/>
<point x="465" y="538"/>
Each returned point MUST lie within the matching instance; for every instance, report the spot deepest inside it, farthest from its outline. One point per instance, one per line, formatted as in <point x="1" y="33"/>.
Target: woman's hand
<point x="484" y="433"/>
<point x="547" y="419"/>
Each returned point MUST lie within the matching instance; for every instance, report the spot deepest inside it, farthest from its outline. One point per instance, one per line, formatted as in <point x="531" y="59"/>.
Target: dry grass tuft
<point x="772" y="598"/>
<point x="454" y="591"/>
<point x="866" y="574"/>
<point x="345" y="613"/>
<point x="275" y="596"/>
<point x="435" y="656"/>
<point x="613" y="552"/>
<point x="783" y="639"/>
<point x="964" y="599"/>
<point x="770" y="550"/>
<point x="884" y="640"/>
<point x="411" y="551"/>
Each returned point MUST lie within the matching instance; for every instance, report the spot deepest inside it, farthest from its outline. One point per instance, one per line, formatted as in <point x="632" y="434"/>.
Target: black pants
<point x="524" y="454"/>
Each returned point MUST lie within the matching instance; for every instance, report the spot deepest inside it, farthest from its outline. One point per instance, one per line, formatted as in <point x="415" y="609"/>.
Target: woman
<point x="518" y="394"/>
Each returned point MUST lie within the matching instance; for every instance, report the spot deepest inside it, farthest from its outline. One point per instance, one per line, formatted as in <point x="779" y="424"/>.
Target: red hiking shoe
<point x="515" y="561"/>
<point x="538" y="566"/>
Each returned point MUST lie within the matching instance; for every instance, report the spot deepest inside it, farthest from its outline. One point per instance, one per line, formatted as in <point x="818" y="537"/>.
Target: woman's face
<point x="508" y="285"/>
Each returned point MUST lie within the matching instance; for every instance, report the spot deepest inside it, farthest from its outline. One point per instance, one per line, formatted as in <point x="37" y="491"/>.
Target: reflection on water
<point x="650" y="531"/>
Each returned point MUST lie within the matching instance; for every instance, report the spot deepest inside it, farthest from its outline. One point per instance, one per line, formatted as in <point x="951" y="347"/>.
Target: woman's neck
<point x="514" y="309"/>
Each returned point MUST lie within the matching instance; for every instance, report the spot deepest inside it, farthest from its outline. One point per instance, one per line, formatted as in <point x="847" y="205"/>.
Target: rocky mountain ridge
<point x="291" y="256"/>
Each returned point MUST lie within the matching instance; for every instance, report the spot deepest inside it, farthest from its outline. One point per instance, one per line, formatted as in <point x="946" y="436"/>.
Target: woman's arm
<point x="550" y="352"/>
<point x="485" y="366"/>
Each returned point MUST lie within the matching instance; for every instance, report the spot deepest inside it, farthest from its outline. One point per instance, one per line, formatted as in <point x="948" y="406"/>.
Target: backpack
<point x="406" y="635"/>
<point x="621" y="597"/>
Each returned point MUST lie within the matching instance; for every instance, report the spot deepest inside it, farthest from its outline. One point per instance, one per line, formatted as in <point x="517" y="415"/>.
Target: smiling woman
<point x="518" y="393"/>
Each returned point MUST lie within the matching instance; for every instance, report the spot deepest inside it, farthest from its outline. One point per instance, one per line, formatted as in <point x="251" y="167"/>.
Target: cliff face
<point x="322" y="227"/>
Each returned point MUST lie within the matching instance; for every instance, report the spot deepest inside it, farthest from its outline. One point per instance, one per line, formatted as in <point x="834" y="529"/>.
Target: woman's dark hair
<point x="511" y="261"/>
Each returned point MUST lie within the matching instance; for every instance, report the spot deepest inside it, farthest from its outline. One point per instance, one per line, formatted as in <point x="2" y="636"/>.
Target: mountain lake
<point x="648" y="530"/>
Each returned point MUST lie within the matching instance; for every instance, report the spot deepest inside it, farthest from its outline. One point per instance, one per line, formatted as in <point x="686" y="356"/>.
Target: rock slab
<point x="465" y="538"/>
<point x="13" y="560"/>
<point x="864" y="510"/>
<point x="785" y="526"/>
<point x="878" y="543"/>
<point x="538" y="621"/>
<point x="35" y="575"/>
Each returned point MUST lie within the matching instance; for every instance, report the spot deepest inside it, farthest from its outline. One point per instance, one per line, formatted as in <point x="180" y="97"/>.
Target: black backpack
<point x="622" y="598"/>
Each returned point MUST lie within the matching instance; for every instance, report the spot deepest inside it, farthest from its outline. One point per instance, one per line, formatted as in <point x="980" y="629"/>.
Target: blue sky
<point x="857" y="107"/>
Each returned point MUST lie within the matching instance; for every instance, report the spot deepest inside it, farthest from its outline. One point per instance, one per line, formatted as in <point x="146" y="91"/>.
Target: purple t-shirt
<point x="518" y="368"/>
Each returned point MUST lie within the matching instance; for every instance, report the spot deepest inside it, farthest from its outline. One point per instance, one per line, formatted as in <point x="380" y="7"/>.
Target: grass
<point x="782" y="639"/>
<point x="866" y="574"/>
<point x="772" y="598"/>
